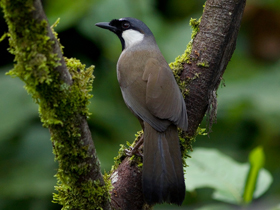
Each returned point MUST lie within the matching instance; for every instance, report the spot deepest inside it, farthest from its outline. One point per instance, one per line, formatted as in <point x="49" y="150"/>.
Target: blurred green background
<point x="248" y="110"/>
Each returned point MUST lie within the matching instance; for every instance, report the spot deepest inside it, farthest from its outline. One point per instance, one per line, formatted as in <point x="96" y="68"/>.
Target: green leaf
<point x="264" y="181"/>
<point x="211" y="168"/>
<point x="216" y="207"/>
<point x="256" y="159"/>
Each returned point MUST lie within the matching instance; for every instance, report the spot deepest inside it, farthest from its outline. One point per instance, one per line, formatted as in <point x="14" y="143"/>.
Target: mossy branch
<point x="198" y="73"/>
<point x="60" y="87"/>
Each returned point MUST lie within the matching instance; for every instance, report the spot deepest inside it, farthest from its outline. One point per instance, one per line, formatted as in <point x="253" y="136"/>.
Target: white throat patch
<point x="131" y="37"/>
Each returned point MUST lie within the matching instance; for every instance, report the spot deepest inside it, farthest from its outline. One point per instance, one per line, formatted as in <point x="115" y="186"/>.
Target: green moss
<point x="122" y="154"/>
<point x="60" y="106"/>
<point x="203" y="64"/>
<point x="137" y="137"/>
<point x="119" y="158"/>
<point x="194" y="23"/>
<point x="178" y="65"/>
<point x="92" y="197"/>
<point x="186" y="143"/>
<point x="136" y="159"/>
<point x="55" y="34"/>
<point x="3" y="37"/>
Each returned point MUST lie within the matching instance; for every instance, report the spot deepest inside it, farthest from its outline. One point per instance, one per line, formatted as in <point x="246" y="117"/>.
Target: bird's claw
<point x="133" y="151"/>
<point x="128" y="152"/>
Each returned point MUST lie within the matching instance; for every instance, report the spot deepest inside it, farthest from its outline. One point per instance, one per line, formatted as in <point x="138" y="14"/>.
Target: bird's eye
<point x="125" y="25"/>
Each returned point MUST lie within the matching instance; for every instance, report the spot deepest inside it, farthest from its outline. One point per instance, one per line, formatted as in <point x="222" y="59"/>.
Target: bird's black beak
<point x="107" y="25"/>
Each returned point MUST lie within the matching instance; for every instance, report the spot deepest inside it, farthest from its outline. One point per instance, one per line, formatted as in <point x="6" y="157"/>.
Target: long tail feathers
<point x="162" y="177"/>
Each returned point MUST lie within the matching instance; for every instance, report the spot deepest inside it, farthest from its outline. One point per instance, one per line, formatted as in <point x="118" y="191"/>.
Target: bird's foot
<point x="132" y="151"/>
<point x="136" y="149"/>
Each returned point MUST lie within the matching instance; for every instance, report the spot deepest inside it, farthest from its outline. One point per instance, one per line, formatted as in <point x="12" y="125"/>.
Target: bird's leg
<point x="135" y="150"/>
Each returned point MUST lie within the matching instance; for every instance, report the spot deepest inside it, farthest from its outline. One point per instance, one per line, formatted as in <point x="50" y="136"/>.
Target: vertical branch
<point x="61" y="88"/>
<point x="200" y="70"/>
<point x="212" y="49"/>
<point x="39" y="15"/>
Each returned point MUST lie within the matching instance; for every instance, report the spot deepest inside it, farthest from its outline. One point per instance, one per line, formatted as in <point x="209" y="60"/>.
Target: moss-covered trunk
<point x="61" y="88"/>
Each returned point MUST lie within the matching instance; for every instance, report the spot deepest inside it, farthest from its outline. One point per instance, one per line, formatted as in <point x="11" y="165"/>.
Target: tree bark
<point x="94" y="172"/>
<point x="212" y="46"/>
<point x="38" y="14"/>
<point x="86" y="138"/>
<point x="26" y="20"/>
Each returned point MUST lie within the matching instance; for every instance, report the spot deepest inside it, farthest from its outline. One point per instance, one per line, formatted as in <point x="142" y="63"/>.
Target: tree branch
<point x="61" y="90"/>
<point x="39" y="15"/>
<point x="213" y="45"/>
<point x="201" y="73"/>
<point x="60" y="87"/>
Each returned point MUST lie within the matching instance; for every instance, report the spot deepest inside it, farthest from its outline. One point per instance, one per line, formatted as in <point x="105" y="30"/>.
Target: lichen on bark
<point x="63" y="97"/>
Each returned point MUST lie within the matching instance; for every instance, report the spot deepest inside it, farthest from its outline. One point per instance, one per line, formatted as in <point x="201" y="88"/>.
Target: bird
<point x="150" y="91"/>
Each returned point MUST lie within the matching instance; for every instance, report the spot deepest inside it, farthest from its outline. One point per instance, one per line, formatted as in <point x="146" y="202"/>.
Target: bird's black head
<point x="129" y="30"/>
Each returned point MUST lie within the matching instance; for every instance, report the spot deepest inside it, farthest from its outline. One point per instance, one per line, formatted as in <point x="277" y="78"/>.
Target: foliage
<point x="211" y="168"/>
<point x="248" y="111"/>
<point x="256" y="159"/>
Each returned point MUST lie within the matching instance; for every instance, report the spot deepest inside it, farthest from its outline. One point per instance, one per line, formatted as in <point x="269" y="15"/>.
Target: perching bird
<point x="150" y="91"/>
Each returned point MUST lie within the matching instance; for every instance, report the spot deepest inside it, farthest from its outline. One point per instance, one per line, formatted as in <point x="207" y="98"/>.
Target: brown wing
<point x="150" y="91"/>
<point x="134" y="97"/>
<point x="134" y="88"/>
<point x="163" y="96"/>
